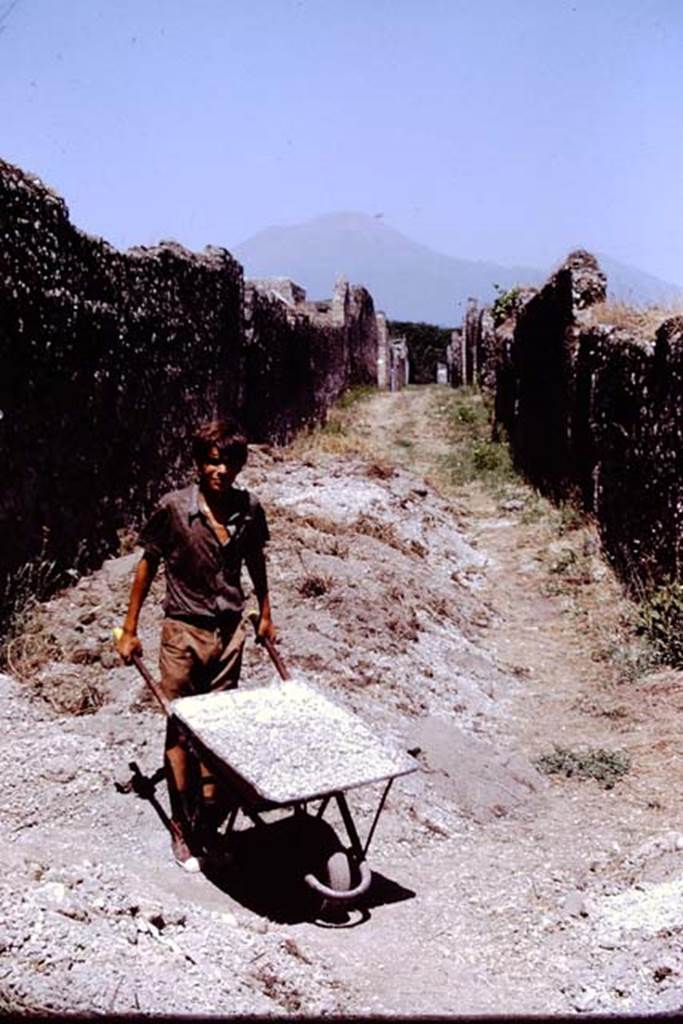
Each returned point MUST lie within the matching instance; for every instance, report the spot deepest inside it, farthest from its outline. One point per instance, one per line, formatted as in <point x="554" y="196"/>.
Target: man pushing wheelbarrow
<point x="204" y="533"/>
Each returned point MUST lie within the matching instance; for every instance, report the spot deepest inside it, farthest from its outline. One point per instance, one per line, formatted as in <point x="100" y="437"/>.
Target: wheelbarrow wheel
<point x="339" y="871"/>
<point x="338" y="877"/>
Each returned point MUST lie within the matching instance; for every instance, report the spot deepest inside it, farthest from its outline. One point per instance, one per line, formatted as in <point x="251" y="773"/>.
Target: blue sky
<point x="509" y="130"/>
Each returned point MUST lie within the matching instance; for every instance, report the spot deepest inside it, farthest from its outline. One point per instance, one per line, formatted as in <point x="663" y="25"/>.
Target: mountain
<point x="636" y="287"/>
<point x="408" y="281"/>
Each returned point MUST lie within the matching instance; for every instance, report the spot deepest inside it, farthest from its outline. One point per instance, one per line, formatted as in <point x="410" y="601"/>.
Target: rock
<point x="109" y="659"/>
<point x="51" y="892"/>
<point x="576" y="904"/>
<point x="175" y="918"/>
<point x="87" y="653"/>
<point x="585" y="1000"/>
<point x="35" y="870"/>
<point x="512" y="505"/>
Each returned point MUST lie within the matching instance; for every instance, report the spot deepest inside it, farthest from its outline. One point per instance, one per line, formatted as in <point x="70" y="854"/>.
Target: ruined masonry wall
<point x="109" y="360"/>
<point x="595" y="415"/>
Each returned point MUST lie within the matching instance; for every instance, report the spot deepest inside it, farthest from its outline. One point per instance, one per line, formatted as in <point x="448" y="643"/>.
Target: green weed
<point x="535" y="509"/>
<point x="660" y="621"/>
<point x="354" y="395"/>
<point x="474" y="455"/>
<point x="632" y="658"/>
<point x="605" y="766"/>
<point x="506" y="303"/>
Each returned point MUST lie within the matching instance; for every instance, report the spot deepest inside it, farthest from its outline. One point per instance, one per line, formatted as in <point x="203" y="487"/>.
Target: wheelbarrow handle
<point x="282" y="669"/>
<point x="147" y="676"/>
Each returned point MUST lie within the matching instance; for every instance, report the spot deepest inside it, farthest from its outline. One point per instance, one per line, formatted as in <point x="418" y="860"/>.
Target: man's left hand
<point x="266" y="630"/>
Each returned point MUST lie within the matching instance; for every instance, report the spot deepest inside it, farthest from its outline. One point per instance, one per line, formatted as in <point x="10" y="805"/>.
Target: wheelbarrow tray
<point x="288" y="742"/>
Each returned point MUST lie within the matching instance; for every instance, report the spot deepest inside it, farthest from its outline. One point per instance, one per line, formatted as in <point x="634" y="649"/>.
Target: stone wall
<point x="109" y="360"/>
<point x="297" y="361"/>
<point x="593" y="414"/>
<point x="627" y="446"/>
<point x="399" y="364"/>
<point x="342" y="341"/>
<point x="383" y="356"/>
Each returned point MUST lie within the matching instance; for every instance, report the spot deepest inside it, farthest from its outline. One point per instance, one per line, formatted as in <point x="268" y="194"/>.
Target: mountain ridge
<point x="407" y="279"/>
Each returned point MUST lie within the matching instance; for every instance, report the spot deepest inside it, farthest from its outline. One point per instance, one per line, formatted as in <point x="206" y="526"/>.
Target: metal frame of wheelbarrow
<point x="342" y="862"/>
<point x="339" y="871"/>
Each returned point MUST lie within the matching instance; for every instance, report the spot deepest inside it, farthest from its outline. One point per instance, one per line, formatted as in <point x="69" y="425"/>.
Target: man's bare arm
<point x="129" y="644"/>
<point x="256" y="564"/>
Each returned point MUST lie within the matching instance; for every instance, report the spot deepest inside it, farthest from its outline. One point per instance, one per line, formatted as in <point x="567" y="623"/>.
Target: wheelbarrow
<point x="285" y="747"/>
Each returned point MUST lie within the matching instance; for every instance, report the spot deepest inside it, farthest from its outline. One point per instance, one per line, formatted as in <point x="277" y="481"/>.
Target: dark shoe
<point x="182" y="853"/>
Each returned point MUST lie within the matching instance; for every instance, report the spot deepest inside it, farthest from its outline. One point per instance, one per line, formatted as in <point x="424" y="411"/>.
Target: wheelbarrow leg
<point x="232" y="818"/>
<point x="323" y="807"/>
<point x="356" y="848"/>
<point x="371" y="833"/>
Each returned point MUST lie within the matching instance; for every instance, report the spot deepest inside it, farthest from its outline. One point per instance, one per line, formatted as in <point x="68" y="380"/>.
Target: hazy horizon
<point x="507" y="132"/>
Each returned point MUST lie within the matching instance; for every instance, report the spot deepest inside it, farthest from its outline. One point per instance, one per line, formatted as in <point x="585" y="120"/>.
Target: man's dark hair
<point x="227" y="435"/>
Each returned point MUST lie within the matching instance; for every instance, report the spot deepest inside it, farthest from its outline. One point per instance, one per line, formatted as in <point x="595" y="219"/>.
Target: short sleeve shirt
<point x="203" y="576"/>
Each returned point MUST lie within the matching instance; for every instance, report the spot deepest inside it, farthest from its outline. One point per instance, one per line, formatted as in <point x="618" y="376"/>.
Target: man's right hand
<point x="128" y="644"/>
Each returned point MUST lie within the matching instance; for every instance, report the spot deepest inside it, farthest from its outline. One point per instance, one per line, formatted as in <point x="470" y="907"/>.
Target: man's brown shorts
<point x="195" y="660"/>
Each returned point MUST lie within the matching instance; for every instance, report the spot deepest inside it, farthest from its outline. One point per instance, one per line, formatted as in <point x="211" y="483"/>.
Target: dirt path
<point x="474" y="626"/>
<point x="523" y="930"/>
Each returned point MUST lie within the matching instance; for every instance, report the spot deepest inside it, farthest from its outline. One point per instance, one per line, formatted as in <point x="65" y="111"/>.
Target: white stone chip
<point x="289" y="742"/>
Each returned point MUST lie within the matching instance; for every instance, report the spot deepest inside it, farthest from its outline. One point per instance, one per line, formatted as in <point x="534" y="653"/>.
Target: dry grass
<point x="368" y="526"/>
<point x="29" y="642"/>
<point x="337" y="436"/>
<point x="315" y="584"/>
<point x="328" y="442"/>
<point x="606" y="618"/>
<point x="640" y="320"/>
<point x="380" y="470"/>
<point x="36" y="656"/>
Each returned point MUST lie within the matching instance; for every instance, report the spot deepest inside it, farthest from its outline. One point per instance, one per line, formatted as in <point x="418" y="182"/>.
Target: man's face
<point x="216" y="475"/>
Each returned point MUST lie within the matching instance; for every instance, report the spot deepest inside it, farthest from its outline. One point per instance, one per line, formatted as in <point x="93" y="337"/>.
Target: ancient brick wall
<point x="295" y="366"/>
<point x="627" y="442"/>
<point x="362" y="335"/>
<point x="109" y="360"/>
<point x="593" y="414"/>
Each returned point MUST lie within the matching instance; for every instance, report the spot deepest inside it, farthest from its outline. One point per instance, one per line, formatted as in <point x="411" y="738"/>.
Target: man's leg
<point x="224" y="675"/>
<point x="179" y="776"/>
<point x="183" y="649"/>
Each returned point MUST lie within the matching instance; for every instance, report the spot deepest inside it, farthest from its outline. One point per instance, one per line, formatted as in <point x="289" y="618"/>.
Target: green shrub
<point x="355" y="394"/>
<point x="505" y="305"/>
<point x="661" y="622"/>
<point x="605" y="766"/>
<point x="489" y="457"/>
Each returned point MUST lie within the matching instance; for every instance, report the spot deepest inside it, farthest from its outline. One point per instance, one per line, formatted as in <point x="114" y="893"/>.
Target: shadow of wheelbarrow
<point x="265" y="868"/>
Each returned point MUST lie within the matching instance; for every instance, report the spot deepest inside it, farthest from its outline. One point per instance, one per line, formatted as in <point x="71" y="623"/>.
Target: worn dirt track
<point x="461" y="627"/>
